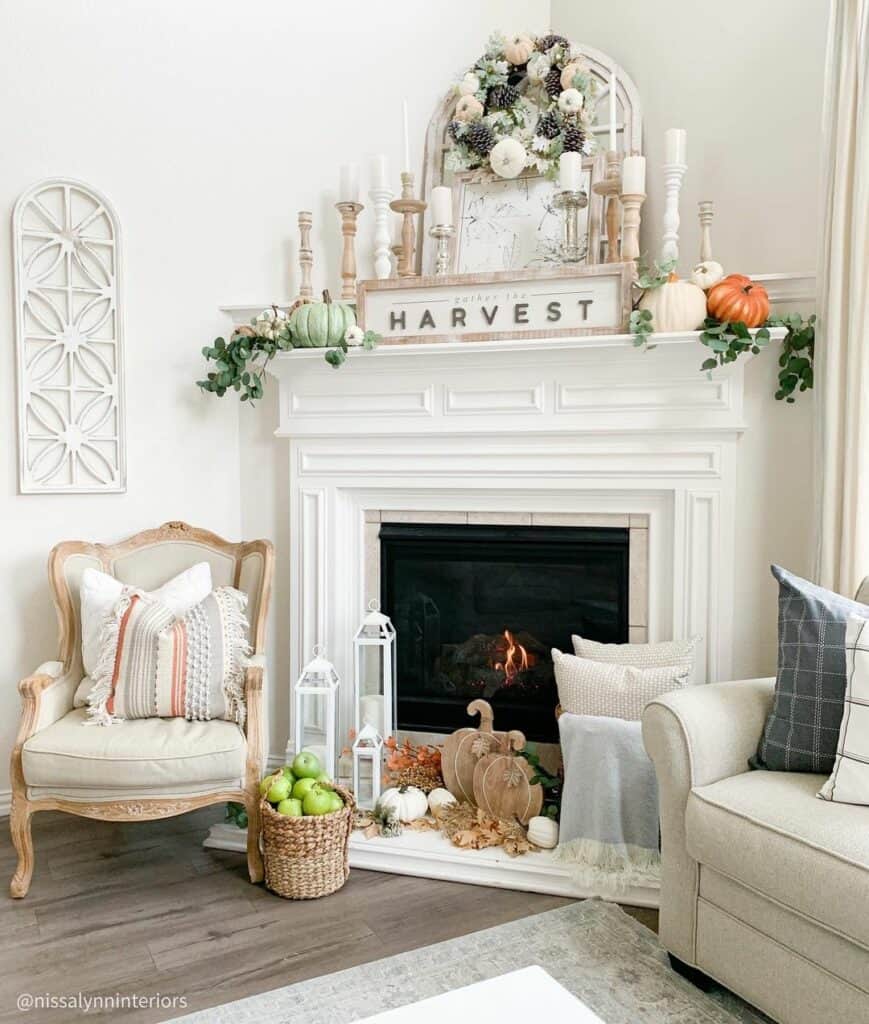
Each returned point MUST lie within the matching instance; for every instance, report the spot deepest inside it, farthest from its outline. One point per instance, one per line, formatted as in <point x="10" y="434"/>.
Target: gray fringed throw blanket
<point x="609" y="806"/>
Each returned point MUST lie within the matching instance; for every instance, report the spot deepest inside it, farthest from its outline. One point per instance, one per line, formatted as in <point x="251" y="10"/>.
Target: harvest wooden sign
<point x="549" y="303"/>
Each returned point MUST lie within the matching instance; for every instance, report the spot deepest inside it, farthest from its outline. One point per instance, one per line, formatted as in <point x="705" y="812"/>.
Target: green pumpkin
<point x="320" y="324"/>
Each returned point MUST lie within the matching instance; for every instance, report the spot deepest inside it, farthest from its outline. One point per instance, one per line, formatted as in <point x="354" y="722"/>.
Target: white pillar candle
<point x="371" y="711"/>
<point x="570" y="172"/>
<point x="406" y="138"/>
<point x="634" y="176"/>
<point x="675" y="146"/>
<point x="442" y="206"/>
<point x="379" y="171"/>
<point x="613" y="91"/>
<point x="348" y="183"/>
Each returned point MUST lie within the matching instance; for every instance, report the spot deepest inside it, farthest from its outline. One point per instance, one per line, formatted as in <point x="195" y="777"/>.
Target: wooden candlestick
<point x="610" y="188"/>
<point x="631" y="204"/>
<point x="396" y="252"/>
<point x="409" y="207"/>
<point x="306" y="256"/>
<point x="705" y="213"/>
<point x="349" y="212"/>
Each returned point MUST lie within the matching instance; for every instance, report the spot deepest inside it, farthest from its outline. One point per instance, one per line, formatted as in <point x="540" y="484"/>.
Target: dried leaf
<point x="373" y="831"/>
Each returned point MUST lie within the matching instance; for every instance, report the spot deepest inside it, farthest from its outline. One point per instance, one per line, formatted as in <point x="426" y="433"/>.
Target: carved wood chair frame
<point x="146" y="808"/>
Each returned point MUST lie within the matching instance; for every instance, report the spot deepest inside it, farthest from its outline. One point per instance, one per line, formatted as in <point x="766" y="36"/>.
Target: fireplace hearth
<point x="478" y="608"/>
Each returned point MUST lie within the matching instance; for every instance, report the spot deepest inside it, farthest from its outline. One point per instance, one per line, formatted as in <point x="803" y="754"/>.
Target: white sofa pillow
<point x="608" y="690"/>
<point x="849" y="783"/>
<point x="100" y="592"/>
<point x="660" y="655"/>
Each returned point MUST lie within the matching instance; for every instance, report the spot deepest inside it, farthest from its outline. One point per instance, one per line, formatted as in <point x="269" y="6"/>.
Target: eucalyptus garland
<point x="527" y="100"/>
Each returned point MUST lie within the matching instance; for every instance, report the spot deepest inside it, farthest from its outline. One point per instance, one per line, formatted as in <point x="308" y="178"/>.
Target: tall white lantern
<point x="318" y="685"/>
<point x="374" y="677"/>
<point x="367" y="749"/>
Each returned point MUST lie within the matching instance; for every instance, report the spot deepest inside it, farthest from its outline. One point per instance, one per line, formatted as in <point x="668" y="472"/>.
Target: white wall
<point x="746" y="81"/>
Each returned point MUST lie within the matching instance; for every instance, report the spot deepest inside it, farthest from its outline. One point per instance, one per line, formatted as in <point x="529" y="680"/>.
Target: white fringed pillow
<point x="660" y="655"/>
<point x="849" y="783"/>
<point x="607" y="690"/>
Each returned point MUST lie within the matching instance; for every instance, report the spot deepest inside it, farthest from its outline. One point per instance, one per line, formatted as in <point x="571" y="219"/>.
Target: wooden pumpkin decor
<point x="464" y="748"/>
<point x="502" y="783"/>
<point x="737" y="297"/>
<point x="320" y="324"/>
<point x="675" y="306"/>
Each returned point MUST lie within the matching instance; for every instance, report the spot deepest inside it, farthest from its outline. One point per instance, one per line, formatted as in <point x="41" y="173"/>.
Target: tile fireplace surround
<point x="574" y="431"/>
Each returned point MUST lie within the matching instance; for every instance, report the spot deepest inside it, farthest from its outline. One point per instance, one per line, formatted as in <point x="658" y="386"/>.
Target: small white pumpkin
<point x="407" y="802"/>
<point x="538" y="67"/>
<point x="468" y="108"/>
<point x="518" y="49"/>
<point x="706" y="274"/>
<point x="508" y="158"/>
<point x="438" y="799"/>
<point x="675" y="306"/>
<point x="469" y="84"/>
<point x="543" y="832"/>
<point x="354" y="335"/>
<point x="570" y="101"/>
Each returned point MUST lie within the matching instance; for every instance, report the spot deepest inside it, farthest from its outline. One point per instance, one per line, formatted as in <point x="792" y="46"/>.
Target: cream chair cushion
<point x="139" y="755"/>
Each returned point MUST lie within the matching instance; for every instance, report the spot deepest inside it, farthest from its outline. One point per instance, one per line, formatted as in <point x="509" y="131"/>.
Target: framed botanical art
<point x="511" y="224"/>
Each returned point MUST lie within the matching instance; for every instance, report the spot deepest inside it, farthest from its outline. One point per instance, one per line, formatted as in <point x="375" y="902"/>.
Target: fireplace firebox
<point x="478" y="608"/>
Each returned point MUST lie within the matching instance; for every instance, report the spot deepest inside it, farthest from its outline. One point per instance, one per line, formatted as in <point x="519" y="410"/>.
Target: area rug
<point x="603" y="956"/>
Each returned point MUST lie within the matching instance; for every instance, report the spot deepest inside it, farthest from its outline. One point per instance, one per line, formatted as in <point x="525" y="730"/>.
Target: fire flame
<point x="516" y="660"/>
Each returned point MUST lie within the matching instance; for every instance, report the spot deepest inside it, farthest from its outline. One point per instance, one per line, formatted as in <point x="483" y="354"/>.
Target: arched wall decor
<point x="69" y="340"/>
<point x="629" y="139"/>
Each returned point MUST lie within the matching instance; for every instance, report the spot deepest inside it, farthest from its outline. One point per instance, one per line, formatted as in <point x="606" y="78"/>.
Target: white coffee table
<point x="527" y="994"/>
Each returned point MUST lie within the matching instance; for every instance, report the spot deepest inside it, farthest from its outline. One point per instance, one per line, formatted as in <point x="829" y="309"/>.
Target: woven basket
<point x="306" y="857"/>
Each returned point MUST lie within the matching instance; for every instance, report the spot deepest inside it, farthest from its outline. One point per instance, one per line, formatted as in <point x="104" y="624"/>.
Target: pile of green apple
<point x="301" y="788"/>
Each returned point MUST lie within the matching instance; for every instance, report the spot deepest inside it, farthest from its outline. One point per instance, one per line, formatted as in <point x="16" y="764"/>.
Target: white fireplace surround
<point x="565" y="427"/>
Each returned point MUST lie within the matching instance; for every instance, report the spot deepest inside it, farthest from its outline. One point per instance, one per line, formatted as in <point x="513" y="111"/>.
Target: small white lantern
<point x="319" y="681"/>
<point x="374" y="678"/>
<point x="367" y="749"/>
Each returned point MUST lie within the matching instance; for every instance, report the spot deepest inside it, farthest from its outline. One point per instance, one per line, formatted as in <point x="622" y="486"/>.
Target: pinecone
<point x="479" y="138"/>
<point x="547" y="42"/>
<point x="548" y="125"/>
<point x="552" y="82"/>
<point x="502" y="97"/>
<point x="453" y="130"/>
<point x="573" y="139"/>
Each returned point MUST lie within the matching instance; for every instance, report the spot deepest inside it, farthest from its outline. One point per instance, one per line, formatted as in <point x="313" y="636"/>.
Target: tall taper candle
<point x="613" y="91"/>
<point x="406" y="138"/>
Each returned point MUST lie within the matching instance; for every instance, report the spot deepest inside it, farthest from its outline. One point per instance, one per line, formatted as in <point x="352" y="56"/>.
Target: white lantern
<point x="318" y="684"/>
<point x="367" y="749"/>
<point x="374" y="678"/>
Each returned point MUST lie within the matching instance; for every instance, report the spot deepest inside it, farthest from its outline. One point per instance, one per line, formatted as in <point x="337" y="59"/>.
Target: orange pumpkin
<point x="737" y="297"/>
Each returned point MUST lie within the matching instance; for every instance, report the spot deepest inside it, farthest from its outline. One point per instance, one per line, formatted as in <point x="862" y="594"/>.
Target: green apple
<point x="324" y="777"/>
<point x="337" y="802"/>
<point x="279" y="790"/>
<point x="264" y="785"/>
<point x="292" y="808"/>
<point x="288" y="774"/>
<point x="301" y="788"/>
<point x="306" y="765"/>
<point x="317" y="801"/>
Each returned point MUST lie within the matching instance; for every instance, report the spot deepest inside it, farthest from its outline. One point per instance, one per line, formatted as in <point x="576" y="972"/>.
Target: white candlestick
<point x="406" y="138"/>
<point x="379" y="171"/>
<point x="675" y="146"/>
<point x="613" y="90"/>
<point x="570" y="172"/>
<point x="441" y="206"/>
<point x="348" y="183"/>
<point x="634" y="175"/>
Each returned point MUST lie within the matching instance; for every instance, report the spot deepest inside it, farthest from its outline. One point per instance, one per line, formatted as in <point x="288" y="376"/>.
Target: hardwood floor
<point x="144" y="909"/>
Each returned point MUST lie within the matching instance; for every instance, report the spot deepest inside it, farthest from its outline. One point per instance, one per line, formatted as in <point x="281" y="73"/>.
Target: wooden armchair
<point x="144" y="768"/>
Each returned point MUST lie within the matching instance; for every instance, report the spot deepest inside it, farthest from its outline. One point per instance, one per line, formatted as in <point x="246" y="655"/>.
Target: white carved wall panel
<point x="69" y="340"/>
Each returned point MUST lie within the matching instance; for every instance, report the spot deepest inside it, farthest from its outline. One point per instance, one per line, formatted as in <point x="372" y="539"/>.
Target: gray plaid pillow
<point x="802" y="729"/>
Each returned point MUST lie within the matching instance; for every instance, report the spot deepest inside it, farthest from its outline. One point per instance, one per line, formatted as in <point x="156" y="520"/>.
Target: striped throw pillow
<point x="154" y="665"/>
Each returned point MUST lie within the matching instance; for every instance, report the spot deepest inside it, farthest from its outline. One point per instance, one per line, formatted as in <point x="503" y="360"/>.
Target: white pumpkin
<point x="675" y="306"/>
<point x="508" y="158"/>
<point x="538" y="67"/>
<point x="706" y="274"/>
<point x="439" y="798"/>
<point x="518" y="49"/>
<point x="407" y="802"/>
<point x="570" y="101"/>
<point x="469" y="84"/>
<point x="543" y="832"/>
<point x="468" y="108"/>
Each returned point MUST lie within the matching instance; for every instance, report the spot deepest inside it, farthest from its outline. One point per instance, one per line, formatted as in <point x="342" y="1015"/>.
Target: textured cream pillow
<point x="668" y="652"/>
<point x="607" y="690"/>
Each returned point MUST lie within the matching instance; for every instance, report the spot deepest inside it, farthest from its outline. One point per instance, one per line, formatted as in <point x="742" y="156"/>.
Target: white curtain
<point x="842" y="341"/>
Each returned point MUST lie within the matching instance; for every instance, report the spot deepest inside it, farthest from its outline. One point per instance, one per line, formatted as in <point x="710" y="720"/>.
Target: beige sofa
<point x="765" y="888"/>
